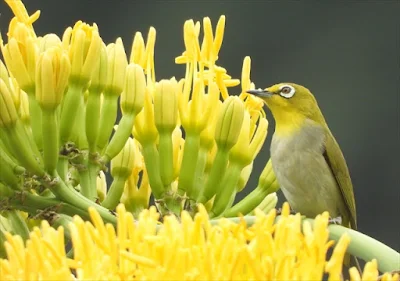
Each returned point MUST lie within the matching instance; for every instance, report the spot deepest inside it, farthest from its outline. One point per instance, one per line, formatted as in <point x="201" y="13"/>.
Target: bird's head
<point x="290" y="103"/>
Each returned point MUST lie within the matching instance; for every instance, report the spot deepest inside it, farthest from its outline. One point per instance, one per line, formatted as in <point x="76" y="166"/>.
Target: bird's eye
<point x="287" y="91"/>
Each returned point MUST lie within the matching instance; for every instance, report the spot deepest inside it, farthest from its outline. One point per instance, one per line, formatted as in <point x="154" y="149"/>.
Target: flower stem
<point x="36" y="120"/>
<point x="108" y="116"/>
<point x="114" y="193"/>
<point x="50" y="139"/>
<point x="120" y="136"/>
<point x="216" y="173"/>
<point x="189" y="162"/>
<point x="72" y="101"/>
<point x="152" y="161"/>
<point x="92" y="119"/>
<point x="166" y="158"/>
<point x="199" y="175"/>
<point x="62" y="167"/>
<point x="18" y="224"/>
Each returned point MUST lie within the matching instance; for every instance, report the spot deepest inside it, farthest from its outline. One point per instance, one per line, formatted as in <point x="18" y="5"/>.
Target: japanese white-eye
<point x="307" y="160"/>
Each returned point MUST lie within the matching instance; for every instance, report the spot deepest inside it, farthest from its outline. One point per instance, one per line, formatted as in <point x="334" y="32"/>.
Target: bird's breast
<point x="302" y="172"/>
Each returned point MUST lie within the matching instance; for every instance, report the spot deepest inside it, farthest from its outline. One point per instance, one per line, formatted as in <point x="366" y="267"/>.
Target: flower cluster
<point x="195" y="249"/>
<point x="187" y="142"/>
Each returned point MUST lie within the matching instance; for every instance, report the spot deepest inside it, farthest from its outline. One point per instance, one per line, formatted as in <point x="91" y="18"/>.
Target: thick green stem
<point x="152" y="161"/>
<point x="108" y="116"/>
<point x="36" y="120"/>
<point x="51" y="145"/>
<point x="7" y="174"/>
<point x="216" y="174"/>
<point x="166" y="158"/>
<point x="92" y="119"/>
<point x="189" y="162"/>
<point x="64" y="221"/>
<point x="227" y="189"/>
<point x="251" y="201"/>
<point x="199" y="176"/>
<point x="62" y="167"/>
<point x="72" y="101"/>
<point x="114" y="193"/>
<point x="120" y="136"/>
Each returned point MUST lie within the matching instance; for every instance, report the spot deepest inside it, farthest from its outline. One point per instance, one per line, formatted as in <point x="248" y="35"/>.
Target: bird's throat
<point x="287" y="123"/>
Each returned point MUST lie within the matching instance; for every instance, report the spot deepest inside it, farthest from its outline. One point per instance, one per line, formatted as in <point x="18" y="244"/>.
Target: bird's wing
<point x="338" y="166"/>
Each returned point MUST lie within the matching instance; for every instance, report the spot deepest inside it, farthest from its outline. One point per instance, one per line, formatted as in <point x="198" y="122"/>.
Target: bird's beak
<point x="261" y="93"/>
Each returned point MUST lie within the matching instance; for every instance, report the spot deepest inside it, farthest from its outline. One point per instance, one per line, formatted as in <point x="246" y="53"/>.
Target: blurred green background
<point x="346" y="52"/>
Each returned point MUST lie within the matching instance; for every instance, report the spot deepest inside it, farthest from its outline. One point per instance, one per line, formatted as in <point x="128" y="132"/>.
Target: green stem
<point x="3" y="252"/>
<point x="114" y="193"/>
<point x="36" y="120"/>
<point x="251" y="201"/>
<point x="21" y="150"/>
<point x="64" y="221"/>
<point x="32" y="143"/>
<point x="361" y="245"/>
<point x="18" y="224"/>
<point x="108" y="116"/>
<point x="199" y="176"/>
<point x="72" y="101"/>
<point x="7" y="174"/>
<point x="120" y="136"/>
<point x="227" y="190"/>
<point x="165" y="148"/>
<point x="189" y="162"/>
<point x="152" y="162"/>
<point x="92" y="119"/>
<point x="62" y="167"/>
<point x="50" y="139"/>
<point x="217" y="173"/>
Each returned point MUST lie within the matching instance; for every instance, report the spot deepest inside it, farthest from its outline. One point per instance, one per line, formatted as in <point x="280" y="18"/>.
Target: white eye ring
<point x="287" y="94"/>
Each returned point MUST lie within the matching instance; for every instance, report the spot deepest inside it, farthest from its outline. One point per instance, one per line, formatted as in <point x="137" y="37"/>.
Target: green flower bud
<point x="166" y="105"/>
<point x="229" y="123"/>
<point x="132" y="98"/>
<point x="52" y="74"/>
<point x="101" y="186"/>
<point x="117" y="63"/>
<point x="122" y="164"/>
<point x="99" y="76"/>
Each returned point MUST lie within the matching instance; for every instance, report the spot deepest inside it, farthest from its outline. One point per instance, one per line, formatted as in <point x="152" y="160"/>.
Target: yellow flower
<point x="194" y="249"/>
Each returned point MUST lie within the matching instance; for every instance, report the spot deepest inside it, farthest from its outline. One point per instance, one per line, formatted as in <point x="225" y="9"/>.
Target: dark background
<point x="346" y="52"/>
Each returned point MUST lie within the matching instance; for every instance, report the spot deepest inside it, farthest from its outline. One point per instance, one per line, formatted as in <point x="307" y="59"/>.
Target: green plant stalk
<point x="18" y="224"/>
<point x="21" y="150"/>
<point x="3" y="252"/>
<point x="5" y="191"/>
<point x="165" y="148"/>
<point x="7" y="175"/>
<point x="361" y="245"/>
<point x="189" y="163"/>
<point x="108" y="115"/>
<point x="32" y="144"/>
<point x="79" y="130"/>
<point x="152" y="162"/>
<point x="227" y="189"/>
<point x="72" y="101"/>
<point x="88" y="184"/>
<point x="120" y="136"/>
<point x="114" y="193"/>
<point x="216" y="173"/>
<point x="251" y="201"/>
<point x="68" y="195"/>
<point x="62" y="167"/>
<point x="51" y="145"/>
<point x="92" y="119"/>
<point x="199" y="175"/>
<point x="36" y="119"/>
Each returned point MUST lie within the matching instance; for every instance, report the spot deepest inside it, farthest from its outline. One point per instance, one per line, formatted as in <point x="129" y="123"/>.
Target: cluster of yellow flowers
<point x="194" y="249"/>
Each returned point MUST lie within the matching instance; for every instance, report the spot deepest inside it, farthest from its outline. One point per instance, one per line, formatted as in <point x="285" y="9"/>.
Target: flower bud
<point x="84" y="51"/>
<point x="166" y="105"/>
<point x="132" y="98"/>
<point x="20" y="54"/>
<point x="117" y="63"/>
<point x="52" y="74"/>
<point x="144" y="129"/>
<point x="8" y="112"/>
<point x="24" y="108"/>
<point x="49" y="41"/>
<point x="99" y="76"/>
<point x="229" y="122"/>
<point x="101" y="186"/>
<point x="122" y="164"/>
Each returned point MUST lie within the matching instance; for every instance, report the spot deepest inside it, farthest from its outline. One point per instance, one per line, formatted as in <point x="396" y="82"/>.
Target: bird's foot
<point x="279" y="211"/>
<point x="337" y="220"/>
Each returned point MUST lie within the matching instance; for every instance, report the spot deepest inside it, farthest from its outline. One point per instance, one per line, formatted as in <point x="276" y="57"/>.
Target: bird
<point x="306" y="159"/>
